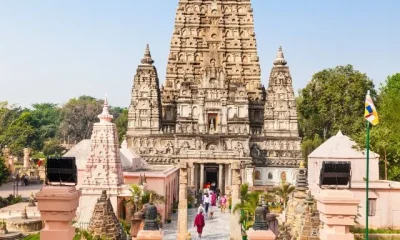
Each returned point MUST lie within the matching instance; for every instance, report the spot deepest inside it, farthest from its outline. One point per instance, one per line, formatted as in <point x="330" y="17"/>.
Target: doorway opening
<point x="211" y="176"/>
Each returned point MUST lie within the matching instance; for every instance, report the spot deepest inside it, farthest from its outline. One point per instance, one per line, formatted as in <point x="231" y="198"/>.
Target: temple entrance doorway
<point x="211" y="175"/>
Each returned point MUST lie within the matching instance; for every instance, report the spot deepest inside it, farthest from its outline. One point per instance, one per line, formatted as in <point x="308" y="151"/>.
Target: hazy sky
<point x="53" y="50"/>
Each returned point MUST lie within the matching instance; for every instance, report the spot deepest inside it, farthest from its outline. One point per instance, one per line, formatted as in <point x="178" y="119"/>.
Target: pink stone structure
<point x="103" y="169"/>
<point x="102" y="165"/>
<point x="383" y="195"/>
<point x="149" y="235"/>
<point x="260" y="235"/>
<point x="57" y="206"/>
<point x="163" y="179"/>
<point x="338" y="209"/>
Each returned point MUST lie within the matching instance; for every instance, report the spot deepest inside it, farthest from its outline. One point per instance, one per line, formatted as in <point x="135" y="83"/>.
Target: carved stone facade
<point x="213" y="108"/>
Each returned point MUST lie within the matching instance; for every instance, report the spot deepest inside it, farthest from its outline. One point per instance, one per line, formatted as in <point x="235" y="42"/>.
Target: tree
<point x="78" y="117"/>
<point x="309" y="145"/>
<point x="52" y="147"/>
<point x="333" y="100"/>
<point x="284" y="191"/>
<point x="247" y="207"/>
<point x="121" y="121"/>
<point x="4" y="171"/>
<point x="46" y="119"/>
<point x="19" y="134"/>
<point x="385" y="137"/>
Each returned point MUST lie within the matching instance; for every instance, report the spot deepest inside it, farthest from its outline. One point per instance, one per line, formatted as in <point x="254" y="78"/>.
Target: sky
<point x="54" y="50"/>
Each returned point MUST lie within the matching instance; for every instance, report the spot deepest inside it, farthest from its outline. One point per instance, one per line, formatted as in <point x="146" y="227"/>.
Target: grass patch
<point x="375" y="231"/>
<point x="33" y="237"/>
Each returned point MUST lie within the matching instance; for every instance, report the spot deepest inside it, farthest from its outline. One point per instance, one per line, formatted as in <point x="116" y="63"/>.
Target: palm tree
<point x="284" y="191"/>
<point x="140" y="198"/>
<point x="247" y="207"/>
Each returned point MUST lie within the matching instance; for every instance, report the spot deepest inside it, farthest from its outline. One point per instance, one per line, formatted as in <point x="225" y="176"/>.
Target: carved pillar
<point x="192" y="185"/>
<point x="57" y="206"/>
<point x="235" y="189"/>
<point x="182" y="211"/>
<point x="337" y="208"/>
<point x="201" y="175"/>
<point x="27" y="153"/>
<point x="230" y="175"/>
<point x="220" y="176"/>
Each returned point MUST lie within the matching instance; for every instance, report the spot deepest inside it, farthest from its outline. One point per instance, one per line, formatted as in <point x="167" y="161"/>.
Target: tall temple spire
<point x="105" y="116"/>
<point x="280" y="59"/>
<point x="147" y="56"/>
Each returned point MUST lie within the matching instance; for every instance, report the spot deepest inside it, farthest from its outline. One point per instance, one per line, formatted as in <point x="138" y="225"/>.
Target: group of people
<point x="208" y="201"/>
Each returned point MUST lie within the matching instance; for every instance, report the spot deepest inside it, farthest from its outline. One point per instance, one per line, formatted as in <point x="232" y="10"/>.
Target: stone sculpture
<point x="150" y="221"/>
<point x="260" y="221"/>
<point x="31" y="201"/>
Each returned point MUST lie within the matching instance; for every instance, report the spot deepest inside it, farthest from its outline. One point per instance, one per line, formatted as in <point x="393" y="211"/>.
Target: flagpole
<point x="367" y="188"/>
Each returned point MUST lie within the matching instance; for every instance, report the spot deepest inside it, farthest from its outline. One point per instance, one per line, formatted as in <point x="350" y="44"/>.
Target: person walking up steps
<point x="199" y="223"/>
<point x="206" y="202"/>
<point x="223" y="203"/>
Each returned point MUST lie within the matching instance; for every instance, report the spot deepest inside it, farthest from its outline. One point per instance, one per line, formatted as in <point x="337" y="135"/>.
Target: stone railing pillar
<point x="57" y="206"/>
<point x="236" y="233"/>
<point x="182" y="205"/>
<point x="338" y="209"/>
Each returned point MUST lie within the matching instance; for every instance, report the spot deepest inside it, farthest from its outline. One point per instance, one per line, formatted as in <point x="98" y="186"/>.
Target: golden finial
<point x="302" y="164"/>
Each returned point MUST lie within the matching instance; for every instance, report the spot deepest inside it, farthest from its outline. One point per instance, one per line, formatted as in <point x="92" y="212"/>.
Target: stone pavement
<point x="216" y="228"/>
<point x="25" y="191"/>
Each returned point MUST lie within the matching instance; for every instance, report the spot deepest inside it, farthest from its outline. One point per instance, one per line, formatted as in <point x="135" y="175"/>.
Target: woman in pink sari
<point x="199" y="222"/>
<point x="213" y="199"/>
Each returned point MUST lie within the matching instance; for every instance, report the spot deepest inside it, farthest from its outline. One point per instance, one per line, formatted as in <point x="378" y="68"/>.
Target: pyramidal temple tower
<point x="103" y="168"/>
<point x="145" y="108"/>
<point x="212" y="110"/>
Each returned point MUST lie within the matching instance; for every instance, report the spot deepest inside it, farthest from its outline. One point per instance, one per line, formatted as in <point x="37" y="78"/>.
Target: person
<point x="199" y="223"/>
<point x="206" y="202"/>
<point x="201" y="208"/>
<point x="213" y="185"/>
<point x="223" y="203"/>
<point x="213" y="199"/>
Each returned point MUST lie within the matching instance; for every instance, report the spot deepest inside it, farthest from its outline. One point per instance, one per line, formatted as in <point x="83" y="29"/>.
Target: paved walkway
<point x="216" y="228"/>
<point x="25" y="191"/>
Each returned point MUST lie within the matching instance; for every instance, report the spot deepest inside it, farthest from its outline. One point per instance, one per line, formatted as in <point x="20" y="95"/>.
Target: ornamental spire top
<point x="280" y="59"/>
<point x="147" y="56"/>
<point x="105" y="116"/>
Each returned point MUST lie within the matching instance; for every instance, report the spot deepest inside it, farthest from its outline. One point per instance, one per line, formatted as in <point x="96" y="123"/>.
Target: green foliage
<point x="333" y="100"/>
<point x="83" y="234"/>
<point x="284" y="191"/>
<point x="371" y="230"/>
<point x="247" y="207"/>
<point x="32" y="237"/>
<point x="10" y="200"/>
<point x="121" y="121"/>
<point x="20" y="133"/>
<point x="53" y="147"/>
<point x="385" y="137"/>
<point x="310" y="144"/>
<point x="126" y="226"/>
<point x="4" y="172"/>
<point x="78" y="117"/>
<point x="144" y="197"/>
